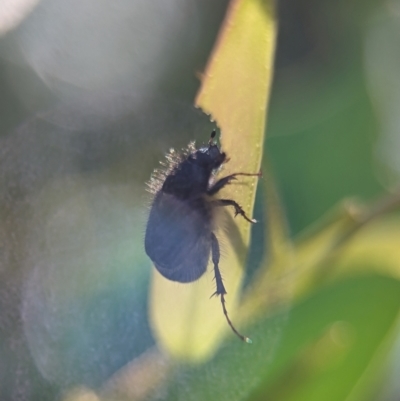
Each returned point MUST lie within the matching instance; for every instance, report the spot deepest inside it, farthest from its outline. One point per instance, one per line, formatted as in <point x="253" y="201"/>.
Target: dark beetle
<point x="179" y="235"/>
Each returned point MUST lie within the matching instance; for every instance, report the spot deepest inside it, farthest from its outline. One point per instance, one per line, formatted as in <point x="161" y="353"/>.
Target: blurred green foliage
<point x="72" y="199"/>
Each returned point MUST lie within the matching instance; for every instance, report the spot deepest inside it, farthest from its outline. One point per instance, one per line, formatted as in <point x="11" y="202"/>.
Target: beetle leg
<point x="238" y="208"/>
<point x="226" y="180"/>
<point x="215" y="255"/>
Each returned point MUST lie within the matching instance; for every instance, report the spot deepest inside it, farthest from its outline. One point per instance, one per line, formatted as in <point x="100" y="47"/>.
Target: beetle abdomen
<point x="178" y="237"/>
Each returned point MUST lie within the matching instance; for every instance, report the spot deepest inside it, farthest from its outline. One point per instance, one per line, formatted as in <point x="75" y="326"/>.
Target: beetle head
<point x="211" y="156"/>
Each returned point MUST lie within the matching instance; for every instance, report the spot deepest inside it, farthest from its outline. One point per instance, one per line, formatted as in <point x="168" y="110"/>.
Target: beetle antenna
<point x="212" y="136"/>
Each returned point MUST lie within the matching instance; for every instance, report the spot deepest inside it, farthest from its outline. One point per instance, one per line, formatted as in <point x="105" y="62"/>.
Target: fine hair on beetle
<point x="180" y="238"/>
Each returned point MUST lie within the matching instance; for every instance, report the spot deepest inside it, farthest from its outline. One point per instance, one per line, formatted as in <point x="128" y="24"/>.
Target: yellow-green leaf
<point x="234" y="91"/>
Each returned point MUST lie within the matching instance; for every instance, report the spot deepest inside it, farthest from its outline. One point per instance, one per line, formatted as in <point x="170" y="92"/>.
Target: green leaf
<point x="332" y="340"/>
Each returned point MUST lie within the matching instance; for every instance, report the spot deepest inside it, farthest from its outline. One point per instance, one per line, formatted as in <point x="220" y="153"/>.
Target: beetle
<point x="180" y="234"/>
